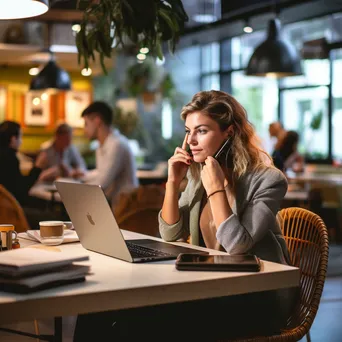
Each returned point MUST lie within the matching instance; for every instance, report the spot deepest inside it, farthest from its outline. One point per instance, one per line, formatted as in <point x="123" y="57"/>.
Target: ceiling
<point x="63" y="13"/>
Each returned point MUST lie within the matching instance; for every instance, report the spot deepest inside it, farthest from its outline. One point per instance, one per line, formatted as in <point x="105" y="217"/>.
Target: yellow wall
<point x="14" y="85"/>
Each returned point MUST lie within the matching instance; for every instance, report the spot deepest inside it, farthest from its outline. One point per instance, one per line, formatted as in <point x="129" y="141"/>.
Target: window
<point x="243" y="48"/>
<point x="337" y="104"/>
<point x="305" y="99"/>
<point x="211" y="82"/>
<point x="210" y="58"/>
<point x="259" y="96"/>
<point x="306" y="112"/>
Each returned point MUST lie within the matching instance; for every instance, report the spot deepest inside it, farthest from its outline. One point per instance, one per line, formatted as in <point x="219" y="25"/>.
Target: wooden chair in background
<point x="11" y="211"/>
<point x="307" y="239"/>
<point x="137" y="211"/>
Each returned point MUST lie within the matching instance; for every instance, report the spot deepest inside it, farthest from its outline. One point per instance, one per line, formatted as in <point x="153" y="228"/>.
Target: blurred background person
<point x="10" y="175"/>
<point x="115" y="163"/>
<point x="277" y="132"/>
<point x="286" y="155"/>
<point x="12" y="178"/>
<point x="64" y="158"/>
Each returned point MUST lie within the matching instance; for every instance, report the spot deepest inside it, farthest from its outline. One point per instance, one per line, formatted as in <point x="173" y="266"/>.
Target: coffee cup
<point x="52" y="232"/>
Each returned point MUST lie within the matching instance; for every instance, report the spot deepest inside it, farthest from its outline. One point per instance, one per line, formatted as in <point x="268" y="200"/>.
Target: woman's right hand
<point x="178" y="164"/>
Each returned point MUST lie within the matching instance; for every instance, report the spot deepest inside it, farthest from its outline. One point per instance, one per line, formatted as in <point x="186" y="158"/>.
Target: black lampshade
<point x="51" y="77"/>
<point x="274" y="57"/>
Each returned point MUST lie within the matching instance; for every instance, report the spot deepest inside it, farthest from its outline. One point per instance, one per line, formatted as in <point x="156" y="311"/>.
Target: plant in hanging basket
<point x="141" y="78"/>
<point x="146" y="23"/>
<point x="126" y="122"/>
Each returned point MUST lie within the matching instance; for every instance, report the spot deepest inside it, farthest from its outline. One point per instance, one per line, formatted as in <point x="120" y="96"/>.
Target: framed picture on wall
<point x="37" y="109"/>
<point x="75" y="103"/>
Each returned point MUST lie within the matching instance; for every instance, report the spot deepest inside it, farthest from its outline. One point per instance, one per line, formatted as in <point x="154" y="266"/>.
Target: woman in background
<point x="286" y="156"/>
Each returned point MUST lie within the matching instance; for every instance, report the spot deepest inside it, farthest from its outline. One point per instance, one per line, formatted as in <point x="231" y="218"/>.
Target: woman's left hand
<point x="212" y="175"/>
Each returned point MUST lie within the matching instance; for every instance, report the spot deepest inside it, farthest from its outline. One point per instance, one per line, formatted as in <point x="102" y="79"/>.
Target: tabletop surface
<point x="308" y="176"/>
<point x="116" y="284"/>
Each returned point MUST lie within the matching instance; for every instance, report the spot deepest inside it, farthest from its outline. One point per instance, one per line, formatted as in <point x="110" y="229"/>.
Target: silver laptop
<point x="98" y="230"/>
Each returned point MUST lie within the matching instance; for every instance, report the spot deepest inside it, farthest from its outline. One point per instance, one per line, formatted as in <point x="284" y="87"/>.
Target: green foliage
<point x="139" y="77"/>
<point x="147" y="23"/>
<point x="316" y="121"/>
<point x="126" y="122"/>
<point x="167" y="87"/>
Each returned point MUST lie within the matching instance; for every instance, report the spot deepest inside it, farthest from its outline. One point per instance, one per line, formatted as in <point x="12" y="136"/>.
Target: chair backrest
<point x="307" y="239"/>
<point x="138" y="209"/>
<point x="11" y="211"/>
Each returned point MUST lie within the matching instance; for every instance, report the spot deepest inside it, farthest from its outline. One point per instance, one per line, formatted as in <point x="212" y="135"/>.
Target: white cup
<point x="52" y="232"/>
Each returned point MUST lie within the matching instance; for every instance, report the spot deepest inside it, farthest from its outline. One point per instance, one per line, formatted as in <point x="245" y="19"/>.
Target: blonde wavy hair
<point x="226" y="110"/>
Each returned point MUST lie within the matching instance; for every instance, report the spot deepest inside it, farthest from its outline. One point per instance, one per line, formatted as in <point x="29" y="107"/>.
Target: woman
<point x="286" y="156"/>
<point x="10" y="174"/>
<point x="228" y="204"/>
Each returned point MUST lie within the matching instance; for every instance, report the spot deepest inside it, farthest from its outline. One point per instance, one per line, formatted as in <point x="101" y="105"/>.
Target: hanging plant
<point x="146" y="23"/>
<point x="126" y="122"/>
<point x="141" y="78"/>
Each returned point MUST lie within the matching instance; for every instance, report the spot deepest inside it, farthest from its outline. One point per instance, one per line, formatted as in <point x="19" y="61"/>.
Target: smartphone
<point x="224" y="147"/>
<point x="231" y="263"/>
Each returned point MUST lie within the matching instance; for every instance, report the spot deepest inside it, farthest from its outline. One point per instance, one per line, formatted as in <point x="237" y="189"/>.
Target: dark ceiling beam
<point x="59" y="15"/>
<point x="247" y="12"/>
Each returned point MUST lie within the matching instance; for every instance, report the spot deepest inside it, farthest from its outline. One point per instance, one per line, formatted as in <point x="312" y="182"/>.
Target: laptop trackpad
<point x="165" y="247"/>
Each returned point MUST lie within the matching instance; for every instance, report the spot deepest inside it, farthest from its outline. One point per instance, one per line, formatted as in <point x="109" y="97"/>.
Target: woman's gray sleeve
<point x="239" y="234"/>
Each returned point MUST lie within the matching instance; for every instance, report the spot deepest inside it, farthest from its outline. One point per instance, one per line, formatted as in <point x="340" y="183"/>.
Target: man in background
<point x="64" y="159"/>
<point x="115" y="164"/>
<point x="277" y="131"/>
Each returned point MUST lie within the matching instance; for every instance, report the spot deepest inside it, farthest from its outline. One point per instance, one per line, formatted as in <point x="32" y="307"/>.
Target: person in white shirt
<point x="115" y="164"/>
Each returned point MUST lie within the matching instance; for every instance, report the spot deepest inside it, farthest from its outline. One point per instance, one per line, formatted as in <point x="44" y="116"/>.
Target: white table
<point x="45" y="191"/>
<point x="315" y="177"/>
<point x="117" y="284"/>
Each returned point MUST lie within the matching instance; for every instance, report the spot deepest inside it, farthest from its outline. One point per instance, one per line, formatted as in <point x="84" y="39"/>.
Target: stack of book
<point x="30" y="269"/>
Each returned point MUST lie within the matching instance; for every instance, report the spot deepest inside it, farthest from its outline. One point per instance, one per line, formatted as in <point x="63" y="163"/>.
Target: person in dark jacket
<point x="10" y="176"/>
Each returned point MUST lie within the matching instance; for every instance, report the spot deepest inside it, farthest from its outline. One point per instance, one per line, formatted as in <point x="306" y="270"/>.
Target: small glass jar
<point x="15" y="244"/>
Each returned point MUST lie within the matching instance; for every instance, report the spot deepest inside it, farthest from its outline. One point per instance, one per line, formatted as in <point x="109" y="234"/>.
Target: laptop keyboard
<point x="138" y="251"/>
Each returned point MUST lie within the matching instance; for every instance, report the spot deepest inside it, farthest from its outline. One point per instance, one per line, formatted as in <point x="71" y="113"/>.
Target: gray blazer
<point x="253" y="227"/>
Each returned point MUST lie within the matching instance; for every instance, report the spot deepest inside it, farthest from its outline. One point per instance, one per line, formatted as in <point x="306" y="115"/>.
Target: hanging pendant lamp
<point x="51" y="77"/>
<point x="274" y="57"/>
<point x="18" y="9"/>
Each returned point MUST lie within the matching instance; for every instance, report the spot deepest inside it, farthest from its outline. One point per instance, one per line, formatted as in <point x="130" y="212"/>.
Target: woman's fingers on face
<point x="179" y="150"/>
<point x="180" y="158"/>
<point x="210" y="161"/>
<point x="185" y="141"/>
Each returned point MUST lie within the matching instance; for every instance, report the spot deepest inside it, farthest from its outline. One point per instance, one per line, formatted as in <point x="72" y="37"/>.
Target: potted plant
<point x="108" y="23"/>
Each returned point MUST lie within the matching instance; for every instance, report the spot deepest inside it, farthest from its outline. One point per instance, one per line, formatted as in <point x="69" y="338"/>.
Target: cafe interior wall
<point x="15" y="83"/>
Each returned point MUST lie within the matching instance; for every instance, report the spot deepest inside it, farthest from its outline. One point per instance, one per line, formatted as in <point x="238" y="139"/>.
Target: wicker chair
<point x="11" y="211"/>
<point x="307" y="239"/>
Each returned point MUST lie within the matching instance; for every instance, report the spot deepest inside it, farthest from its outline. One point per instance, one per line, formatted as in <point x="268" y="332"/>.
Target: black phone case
<point x="252" y="265"/>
